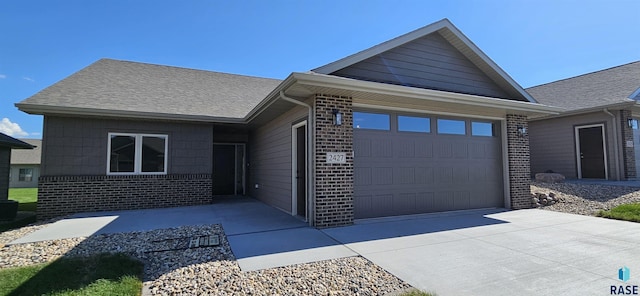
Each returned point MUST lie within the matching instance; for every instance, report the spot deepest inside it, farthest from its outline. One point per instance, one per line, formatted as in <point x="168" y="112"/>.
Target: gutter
<point x="615" y="142"/>
<point x="310" y="156"/>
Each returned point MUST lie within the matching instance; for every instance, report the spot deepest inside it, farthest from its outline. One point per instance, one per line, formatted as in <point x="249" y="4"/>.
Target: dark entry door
<point x="301" y="171"/>
<point x="592" y="158"/>
<point x="224" y="169"/>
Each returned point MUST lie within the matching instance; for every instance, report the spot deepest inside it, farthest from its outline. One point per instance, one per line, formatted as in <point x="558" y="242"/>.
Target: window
<point x="451" y="127"/>
<point x="414" y="124"/>
<point x="484" y="129"/>
<point x="634" y="124"/>
<point x="25" y="175"/>
<point x="137" y="154"/>
<point x="376" y="121"/>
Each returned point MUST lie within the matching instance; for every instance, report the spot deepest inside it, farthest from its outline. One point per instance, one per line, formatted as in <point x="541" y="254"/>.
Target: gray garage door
<point x="409" y="164"/>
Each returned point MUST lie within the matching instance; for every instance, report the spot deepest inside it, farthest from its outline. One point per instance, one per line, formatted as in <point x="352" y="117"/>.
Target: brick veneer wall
<point x="519" y="166"/>
<point x="63" y="195"/>
<point x="628" y="153"/>
<point x="333" y="181"/>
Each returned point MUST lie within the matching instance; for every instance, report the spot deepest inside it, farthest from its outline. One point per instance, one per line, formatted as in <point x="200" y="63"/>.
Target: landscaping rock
<point x="549" y="177"/>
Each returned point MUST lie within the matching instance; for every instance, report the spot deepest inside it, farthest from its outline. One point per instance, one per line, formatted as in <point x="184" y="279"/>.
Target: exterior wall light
<point x="630" y="122"/>
<point x="337" y="117"/>
<point x="522" y="131"/>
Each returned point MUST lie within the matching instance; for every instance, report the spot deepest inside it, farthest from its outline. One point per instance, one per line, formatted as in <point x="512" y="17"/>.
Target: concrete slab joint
<point x="519" y="157"/>
<point x="333" y="181"/>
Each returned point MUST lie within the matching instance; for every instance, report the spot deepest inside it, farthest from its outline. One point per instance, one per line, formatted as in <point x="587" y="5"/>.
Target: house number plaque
<point x="336" y="157"/>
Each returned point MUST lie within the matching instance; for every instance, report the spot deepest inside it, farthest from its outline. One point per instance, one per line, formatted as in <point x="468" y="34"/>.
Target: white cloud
<point x="11" y="128"/>
<point x="28" y="79"/>
<point x="2" y="76"/>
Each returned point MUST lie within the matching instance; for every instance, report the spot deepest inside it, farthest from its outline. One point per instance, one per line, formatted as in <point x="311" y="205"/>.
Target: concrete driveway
<point x="481" y="252"/>
<point x="494" y="252"/>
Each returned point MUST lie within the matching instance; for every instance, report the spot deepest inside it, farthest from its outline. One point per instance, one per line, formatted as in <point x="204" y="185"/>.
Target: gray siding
<point x="78" y="146"/>
<point x="553" y="147"/>
<point x="429" y="62"/>
<point x="270" y="159"/>
<point x="15" y="182"/>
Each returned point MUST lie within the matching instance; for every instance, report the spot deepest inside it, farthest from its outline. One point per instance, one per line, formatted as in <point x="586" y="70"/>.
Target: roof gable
<point x="438" y="57"/>
<point x="601" y="88"/>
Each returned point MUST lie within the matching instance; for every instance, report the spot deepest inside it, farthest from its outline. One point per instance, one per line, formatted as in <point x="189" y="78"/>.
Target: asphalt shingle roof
<point x="28" y="156"/>
<point x="138" y="87"/>
<point x="601" y="88"/>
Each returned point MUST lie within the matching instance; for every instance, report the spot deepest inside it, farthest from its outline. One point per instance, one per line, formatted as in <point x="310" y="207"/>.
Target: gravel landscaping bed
<point x="586" y="199"/>
<point x="172" y="268"/>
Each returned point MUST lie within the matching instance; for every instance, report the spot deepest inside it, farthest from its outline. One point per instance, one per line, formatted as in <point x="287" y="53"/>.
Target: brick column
<point x="333" y="181"/>
<point x="628" y="153"/>
<point x="519" y="166"/>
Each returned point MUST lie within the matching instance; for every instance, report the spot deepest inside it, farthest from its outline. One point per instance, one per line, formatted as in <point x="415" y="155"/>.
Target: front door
<point x="228" y="169"/>
<point x="590" y="142"/>
<point x="299" y="170"/>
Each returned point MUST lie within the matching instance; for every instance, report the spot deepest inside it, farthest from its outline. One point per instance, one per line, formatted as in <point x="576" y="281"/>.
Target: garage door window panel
<point x="373" y="121"/>
<point x="482" y="129"/>
<point x="414" y="124"/>
<point x="452" y="127"/>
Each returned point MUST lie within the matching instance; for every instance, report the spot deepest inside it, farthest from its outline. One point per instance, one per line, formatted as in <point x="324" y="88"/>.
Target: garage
<point x="419" y="163"/>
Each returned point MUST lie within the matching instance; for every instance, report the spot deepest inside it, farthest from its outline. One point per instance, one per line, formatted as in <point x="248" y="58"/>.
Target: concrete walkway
<point x="631" y="183"/>
<point x="481" y="252"/>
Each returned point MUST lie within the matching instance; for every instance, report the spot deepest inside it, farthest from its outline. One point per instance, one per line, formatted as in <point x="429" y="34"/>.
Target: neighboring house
<point x="596" y="136"/>
<point x="7" y="144"/>
<point x="422" y="123"/>
<point x="25" y="165"/>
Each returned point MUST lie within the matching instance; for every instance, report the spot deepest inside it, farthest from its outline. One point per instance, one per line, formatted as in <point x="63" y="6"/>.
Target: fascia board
<point x="43" y="109"/>
<point x="419" y="93"/>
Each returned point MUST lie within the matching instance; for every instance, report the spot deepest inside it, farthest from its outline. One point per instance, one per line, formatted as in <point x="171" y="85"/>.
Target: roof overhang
<point x="124" y="114"/>
<point x="634" y="105"/>
<point x="304" y="85"/>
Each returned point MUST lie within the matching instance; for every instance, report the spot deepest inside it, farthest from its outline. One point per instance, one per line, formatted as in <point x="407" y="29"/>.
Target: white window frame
<point x="137" y="165"/>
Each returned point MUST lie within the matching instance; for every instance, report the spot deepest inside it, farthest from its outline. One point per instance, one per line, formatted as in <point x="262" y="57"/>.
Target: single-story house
<point x="421" y="123"/>
<point x="8" y="208"/>
<point x="25" y="165"/>
<point x="596" y="135"/>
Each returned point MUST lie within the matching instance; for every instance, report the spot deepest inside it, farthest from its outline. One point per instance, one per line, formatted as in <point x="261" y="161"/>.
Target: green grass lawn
<point x="105" y="274"/>
<point x="629" y="212"/>
<point x="27" y="197"/>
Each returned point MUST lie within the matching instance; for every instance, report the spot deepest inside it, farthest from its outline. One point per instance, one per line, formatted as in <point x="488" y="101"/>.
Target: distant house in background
<point x="597" y="134"/>
<point x="25" y="165"/>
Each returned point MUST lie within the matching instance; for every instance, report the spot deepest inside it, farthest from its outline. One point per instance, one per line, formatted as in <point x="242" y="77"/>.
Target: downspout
<point x="615" y="142"/>
<point x="310" y="157"/>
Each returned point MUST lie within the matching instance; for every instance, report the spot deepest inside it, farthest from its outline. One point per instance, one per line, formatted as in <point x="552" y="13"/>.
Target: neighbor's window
<point x="451" y="127"/>
<point x="484" y="129"/>
<point x="25" y="175"/>
<point x="137" y="154"/>
<point x="414" y="124"/>
<point x="376" y="121"/>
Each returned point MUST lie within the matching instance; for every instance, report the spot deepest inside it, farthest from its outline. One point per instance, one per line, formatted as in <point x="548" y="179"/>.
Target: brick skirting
<point x="63" y="195"/>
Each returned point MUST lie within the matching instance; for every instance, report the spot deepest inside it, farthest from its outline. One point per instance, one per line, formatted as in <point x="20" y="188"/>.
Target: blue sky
<point x="42" y="42"/>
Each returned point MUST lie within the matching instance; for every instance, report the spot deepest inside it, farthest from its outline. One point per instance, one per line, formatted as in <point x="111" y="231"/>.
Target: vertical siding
<point x="429" y="62"/>
<point x="5" y="159"/>
<point x="270" y="159"/>
<point x="78" y="146"/>
<point x="553" y="144"/>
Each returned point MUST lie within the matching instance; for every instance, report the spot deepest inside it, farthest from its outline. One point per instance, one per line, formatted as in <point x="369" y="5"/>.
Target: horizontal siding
<point x="429" y="62"/>
<point x="553" y="147"/>
<point x="78" y="146"/>
<point x="270" y="159"/>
